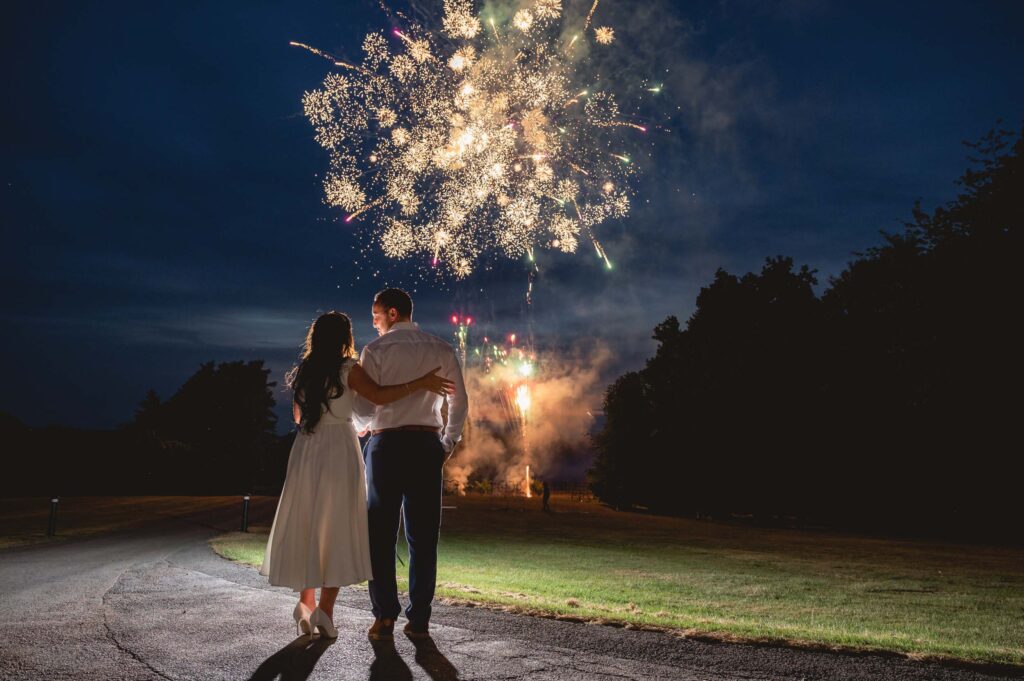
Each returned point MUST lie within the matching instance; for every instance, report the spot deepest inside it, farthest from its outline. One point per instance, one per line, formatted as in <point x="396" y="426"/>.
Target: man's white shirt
<point x="404" y="354"/>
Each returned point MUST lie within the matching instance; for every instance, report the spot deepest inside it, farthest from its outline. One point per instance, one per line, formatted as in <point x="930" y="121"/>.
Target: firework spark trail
<point x="328" y="56"/>
<point x="590" y="15"/>
<point x="600" y="251"/>
<point x="614" y="124"/>
<point x="310" y="48"/>
<point x="462" y="142"/>
<point x="363" y="209"/>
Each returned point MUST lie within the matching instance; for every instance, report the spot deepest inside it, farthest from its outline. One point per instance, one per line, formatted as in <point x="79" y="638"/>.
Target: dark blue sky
<point x="161" y="208"/>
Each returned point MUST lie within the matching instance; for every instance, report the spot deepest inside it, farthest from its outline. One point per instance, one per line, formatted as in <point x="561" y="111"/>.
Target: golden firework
<point x="458" y="143"/>
<point x="604" y="35"/>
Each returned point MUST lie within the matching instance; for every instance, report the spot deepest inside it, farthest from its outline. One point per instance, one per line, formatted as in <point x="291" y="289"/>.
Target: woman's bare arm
<point x="361" y="382"/>
<point x="296" y="413"/>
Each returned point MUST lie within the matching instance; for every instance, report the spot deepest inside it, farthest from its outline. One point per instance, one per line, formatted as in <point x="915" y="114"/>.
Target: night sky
<point x="161" y="203"/>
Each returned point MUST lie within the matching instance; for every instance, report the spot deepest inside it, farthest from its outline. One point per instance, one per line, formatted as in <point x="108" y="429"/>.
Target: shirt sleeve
<point x="363" y="410"/>
<point x="458" y="402"/>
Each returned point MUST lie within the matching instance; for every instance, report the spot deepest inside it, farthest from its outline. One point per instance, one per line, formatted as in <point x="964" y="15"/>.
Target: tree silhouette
<point x="926" y="326"/>
<point x="619" y="471"/>
<point x="215" y="432"/>
<point x="888" y="401"/>
<point x="147" y="414"/>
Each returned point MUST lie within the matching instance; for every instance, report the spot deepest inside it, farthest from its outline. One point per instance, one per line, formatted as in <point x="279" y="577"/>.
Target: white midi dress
<point x="320" y="537"/>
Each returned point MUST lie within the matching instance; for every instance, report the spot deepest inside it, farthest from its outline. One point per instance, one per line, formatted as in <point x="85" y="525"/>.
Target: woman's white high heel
<point x="301" y="615"/>
<point x="320" y="620"/>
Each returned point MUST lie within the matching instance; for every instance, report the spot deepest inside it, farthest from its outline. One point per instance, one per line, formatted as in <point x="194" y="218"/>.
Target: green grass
<point x="243" y="547"/>
<point x="921" y="598"/>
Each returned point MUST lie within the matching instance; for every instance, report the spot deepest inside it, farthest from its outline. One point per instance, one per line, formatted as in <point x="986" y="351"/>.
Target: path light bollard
<point x="52" y="527"/>
<point x="245" y="513"/>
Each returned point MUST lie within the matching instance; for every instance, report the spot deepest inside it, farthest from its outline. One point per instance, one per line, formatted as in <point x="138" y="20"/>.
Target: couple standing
<point x="334" y="526"/>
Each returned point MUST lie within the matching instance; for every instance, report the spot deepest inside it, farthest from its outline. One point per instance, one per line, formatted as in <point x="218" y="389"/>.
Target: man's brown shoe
<point x="416" y="632"/>
<point x="382" y="630"/>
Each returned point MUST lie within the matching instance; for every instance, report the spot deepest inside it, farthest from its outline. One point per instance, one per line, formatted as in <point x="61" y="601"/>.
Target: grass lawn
<point x="24" y="520"/>
<point x="585" y="561"/>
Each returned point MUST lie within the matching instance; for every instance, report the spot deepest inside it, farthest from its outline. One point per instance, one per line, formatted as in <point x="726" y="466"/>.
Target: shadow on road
<point x="387" y="664"/>
<point x="294" y="662"/>
<point x="433" y="661"/>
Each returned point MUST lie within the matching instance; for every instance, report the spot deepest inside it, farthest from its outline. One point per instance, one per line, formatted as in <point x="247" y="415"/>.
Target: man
<point x="404" y="457"/>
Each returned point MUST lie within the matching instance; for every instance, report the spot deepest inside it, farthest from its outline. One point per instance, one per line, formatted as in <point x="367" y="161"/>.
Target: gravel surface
<point x="159" y="604"/>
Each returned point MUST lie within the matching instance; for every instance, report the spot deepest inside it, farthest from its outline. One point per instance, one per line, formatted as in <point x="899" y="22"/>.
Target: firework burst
<point x="475" y="139"/>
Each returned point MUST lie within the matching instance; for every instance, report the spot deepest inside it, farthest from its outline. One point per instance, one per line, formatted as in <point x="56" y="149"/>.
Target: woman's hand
<point x="431" y="382"/>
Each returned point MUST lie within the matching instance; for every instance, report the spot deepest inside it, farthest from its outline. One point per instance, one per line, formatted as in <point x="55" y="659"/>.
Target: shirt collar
<point x="404" y="326"/>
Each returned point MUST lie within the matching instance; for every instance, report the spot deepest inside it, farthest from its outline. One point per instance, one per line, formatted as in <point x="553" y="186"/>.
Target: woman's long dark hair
<point x="317" y="378"/>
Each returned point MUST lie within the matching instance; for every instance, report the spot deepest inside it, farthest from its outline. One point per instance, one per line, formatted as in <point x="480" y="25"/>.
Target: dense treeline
<point x="215" y="435"/>
<point x="890" y="401"/>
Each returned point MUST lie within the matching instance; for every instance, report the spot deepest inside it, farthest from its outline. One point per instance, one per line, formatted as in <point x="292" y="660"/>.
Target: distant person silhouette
<point x="546" y="497"/>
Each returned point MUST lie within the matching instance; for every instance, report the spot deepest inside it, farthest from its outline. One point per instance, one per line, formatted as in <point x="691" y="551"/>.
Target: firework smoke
<point x="501" y="443"/>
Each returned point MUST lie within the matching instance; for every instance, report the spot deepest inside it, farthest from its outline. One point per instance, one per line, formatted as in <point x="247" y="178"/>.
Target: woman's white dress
<point x="319" y="537"/>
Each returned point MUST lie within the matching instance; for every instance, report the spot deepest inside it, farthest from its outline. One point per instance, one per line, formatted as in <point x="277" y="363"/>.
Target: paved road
<point x="158" y="604"/>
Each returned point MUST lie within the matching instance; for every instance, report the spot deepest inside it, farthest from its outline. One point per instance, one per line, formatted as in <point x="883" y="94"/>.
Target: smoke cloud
<point x="536" y="409"/>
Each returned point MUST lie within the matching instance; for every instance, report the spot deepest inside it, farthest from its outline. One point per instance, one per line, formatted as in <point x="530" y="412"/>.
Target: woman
<point x="319" y="537"/>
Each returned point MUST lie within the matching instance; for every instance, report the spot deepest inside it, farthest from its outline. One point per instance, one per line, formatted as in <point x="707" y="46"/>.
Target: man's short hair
<point x="395" y="298"/>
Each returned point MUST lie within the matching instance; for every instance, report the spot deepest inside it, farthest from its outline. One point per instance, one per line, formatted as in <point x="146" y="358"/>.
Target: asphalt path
<point x="159" y="604"/>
